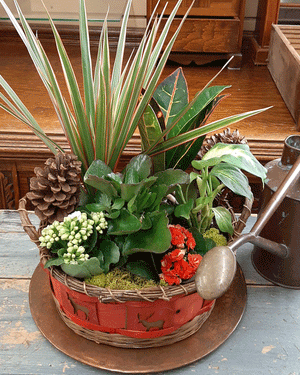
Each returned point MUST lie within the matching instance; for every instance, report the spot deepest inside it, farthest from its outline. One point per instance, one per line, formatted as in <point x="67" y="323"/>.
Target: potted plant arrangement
<point x="122" y="247"/>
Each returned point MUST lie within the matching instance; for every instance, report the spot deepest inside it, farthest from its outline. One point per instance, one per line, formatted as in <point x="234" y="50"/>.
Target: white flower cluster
<point x="99" y="221"/>
<point x="74" y="230"/>
<point x="75" y="255"/>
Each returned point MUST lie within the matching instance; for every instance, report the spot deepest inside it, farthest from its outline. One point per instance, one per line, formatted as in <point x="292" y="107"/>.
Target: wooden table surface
<point x="266" y="341"/>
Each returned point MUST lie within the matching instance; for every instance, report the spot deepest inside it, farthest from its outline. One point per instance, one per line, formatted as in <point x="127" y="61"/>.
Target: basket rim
<point x="113" y="295"/>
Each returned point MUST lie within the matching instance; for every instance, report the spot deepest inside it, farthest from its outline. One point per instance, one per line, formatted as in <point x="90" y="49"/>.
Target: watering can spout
<point x="217" y="268"/>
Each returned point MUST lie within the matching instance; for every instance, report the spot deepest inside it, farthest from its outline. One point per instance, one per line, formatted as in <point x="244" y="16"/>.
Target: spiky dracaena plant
<point x="99" y="124"/>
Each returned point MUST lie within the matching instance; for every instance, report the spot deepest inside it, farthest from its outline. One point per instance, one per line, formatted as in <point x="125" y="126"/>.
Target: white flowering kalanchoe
<point x="99" y="221"/>
<point x="72" y="233"/>
<point x="50" y="234"/>
<point x="76" y="255"/>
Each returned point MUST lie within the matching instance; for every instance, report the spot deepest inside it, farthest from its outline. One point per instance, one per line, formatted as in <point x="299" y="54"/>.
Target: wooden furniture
<point x="267" y="340"/>
<point x="284" y="65"/>
<point x="21" y="150"/>
<point x="268" y="13"/>
<point x="214" y="28"/>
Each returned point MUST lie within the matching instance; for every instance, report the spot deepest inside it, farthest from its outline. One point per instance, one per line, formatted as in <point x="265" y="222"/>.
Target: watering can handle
<point x="271" y="207"/>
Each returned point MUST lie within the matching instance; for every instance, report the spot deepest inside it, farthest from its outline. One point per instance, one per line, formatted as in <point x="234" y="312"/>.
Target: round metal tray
<point x="223" y="320"/>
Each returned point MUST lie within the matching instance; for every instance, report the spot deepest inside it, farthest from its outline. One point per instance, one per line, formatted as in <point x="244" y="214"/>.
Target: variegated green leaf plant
<point x="220" y="167"/>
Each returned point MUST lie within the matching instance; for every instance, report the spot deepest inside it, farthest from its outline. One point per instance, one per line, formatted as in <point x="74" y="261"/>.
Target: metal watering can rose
<point x="217" y="268"/>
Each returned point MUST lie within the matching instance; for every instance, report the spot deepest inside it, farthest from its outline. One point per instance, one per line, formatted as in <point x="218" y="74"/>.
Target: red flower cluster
<point x="179" y="264"/>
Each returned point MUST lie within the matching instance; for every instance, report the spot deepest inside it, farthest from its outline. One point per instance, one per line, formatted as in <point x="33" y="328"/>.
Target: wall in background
<point x="68" y="10"/>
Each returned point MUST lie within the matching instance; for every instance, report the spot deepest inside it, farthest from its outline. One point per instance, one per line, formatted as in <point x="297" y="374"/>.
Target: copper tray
<point x="223" y="320"/>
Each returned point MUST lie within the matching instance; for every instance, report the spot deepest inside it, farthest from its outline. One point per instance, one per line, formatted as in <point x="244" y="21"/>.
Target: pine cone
<point x="225" y="137"/>
<point x="54" y="191"/>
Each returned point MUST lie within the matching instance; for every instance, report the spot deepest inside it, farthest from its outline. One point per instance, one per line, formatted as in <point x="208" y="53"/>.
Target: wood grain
<point x="252" y="87"/>
<point x="284" y="66"/>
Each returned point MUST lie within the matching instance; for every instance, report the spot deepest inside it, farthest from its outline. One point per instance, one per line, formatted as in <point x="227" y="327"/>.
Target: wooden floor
<point x="251" y="88"/>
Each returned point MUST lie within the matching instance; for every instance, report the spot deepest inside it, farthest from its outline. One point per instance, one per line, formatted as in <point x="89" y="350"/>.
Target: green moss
<point x="121" y="280"/>
<point x="98" y="280"/>
<point x="216" y="236"/>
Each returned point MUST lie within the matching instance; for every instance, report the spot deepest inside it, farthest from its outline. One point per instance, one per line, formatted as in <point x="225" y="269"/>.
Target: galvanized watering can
<point x="276" y="254"/>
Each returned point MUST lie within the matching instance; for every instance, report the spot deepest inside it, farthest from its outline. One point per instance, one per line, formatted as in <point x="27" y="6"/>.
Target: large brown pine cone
<point x="225" y="137"/>
<point x="54" y="192"/>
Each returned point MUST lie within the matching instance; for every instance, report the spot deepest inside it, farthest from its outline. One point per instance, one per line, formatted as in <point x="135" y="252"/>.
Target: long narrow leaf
<point x="157" y="73"/>
<point x="106" y="142"/>
<point x="162" y="37"/>
<point x="101" y="119"/>
<point x="22" y="114"/>
<point x="191" y="149"/>
<point x="86" y="66"/>
<point x="81" y="119"/>
<point x="48" y="77"/>
<point x="131" y="95"/>
<point x="193" y="134"/>
<point x="99" y="60"/>
<point x="63" y="112"/>
<point x="116" y="74"/>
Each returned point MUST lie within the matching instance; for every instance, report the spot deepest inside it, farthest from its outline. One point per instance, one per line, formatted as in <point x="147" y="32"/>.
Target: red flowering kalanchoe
<point x="180" y="263"/>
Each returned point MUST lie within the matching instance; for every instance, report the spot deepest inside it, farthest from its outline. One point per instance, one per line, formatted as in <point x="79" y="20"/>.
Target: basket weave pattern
<point x="115" y="297"/>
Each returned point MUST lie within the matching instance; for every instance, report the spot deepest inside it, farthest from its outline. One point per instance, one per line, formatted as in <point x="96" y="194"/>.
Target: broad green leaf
<point x="201" y="164"/>
<point x="96" y="207"/>
<point x="201" y="202"/>
<point x="111" y="254"/>
<point x="103" y="199"/>
<point x="171" y="177"/>
<point x="118" y="204"/>
<point x="172" y="95"/>
<point x="203" y="245"/>
<point x="85" y="270"/>
<point x="146" y="222"/>
<point x="233" y="178"/>
<point x="131" y="177"/>
<point x="184" y="210"/>
<point x="210" y="244"/>
<point x="54" y="262"/>
<point x="125" y="223"/>
<point x="101" y="184"/>
<point x="95" y="177"/>
<point x="128" y="191"/>
<point x="157" y="239"/>
<point x="141" y="165"/>
<point x="158" y="192"/>
<point x="91" y="241"/>
<point x="190" y="112"/>
<point x="150" y="129"/>
<point x="238" y="155"/>
<point x="142" y="269"/>
<point x="223" y="219"/>
<point x="142" y="201"/>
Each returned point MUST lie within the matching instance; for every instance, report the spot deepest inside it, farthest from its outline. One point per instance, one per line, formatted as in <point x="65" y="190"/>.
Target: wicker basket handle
<point x="30" y="229"/>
